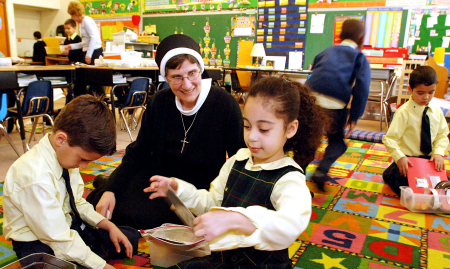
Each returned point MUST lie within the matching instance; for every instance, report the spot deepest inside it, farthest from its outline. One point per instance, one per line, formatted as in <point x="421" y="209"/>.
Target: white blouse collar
<point x="205" y="87"/>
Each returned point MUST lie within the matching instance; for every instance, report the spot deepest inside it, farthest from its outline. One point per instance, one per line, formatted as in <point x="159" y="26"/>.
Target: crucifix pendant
<point x="184" y="142"/>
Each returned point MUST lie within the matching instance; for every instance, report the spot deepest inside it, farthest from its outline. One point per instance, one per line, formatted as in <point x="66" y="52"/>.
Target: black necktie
<point x="66" y="177"/>
<point x="425" y="134"/>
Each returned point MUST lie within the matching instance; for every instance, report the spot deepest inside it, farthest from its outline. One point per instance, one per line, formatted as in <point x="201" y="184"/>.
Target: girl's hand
<point x="67" y="47"/>
<point x="438" y="162"/>
<point x="217" y="222"/>
<point x="159" y="186"/>
<point x="87" y="60"/>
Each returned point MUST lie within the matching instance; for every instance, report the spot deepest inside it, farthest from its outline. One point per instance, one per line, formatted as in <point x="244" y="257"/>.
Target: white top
<point x="90" y="37"/>
<point x="37" y="206"/>
<point x="275" y="229"/>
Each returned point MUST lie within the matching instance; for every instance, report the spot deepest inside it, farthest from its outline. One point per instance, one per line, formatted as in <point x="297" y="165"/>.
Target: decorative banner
<point x="282" y="26"/>
<point x="389" y="26"/>
<point x="338" y="21"/>
<point x="368" y="26"/>
<point x="101" y="8"/>
<point x="172" y="6"/>
<point x="381" y="29"/>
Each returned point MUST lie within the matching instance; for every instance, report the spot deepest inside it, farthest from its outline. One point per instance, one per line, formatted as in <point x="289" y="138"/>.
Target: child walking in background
<point x="340" y="72"/>
<point x="75" y="55"/>
<point x="419" y="129"/>
<point x="259" y="203"/>
<point x="39" y="51"/>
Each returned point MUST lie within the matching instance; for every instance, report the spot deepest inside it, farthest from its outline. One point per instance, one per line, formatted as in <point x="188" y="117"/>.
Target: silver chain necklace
<point x="185" y="132"/>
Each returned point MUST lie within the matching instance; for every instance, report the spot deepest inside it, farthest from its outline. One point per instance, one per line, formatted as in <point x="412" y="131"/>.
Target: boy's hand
<point x="439" y="163"/>
<point x="159" y="186"/>
<point x="402" y="165"/>
<point x="117" y="237"/>
<point x="217" y="222"/>
<point x="350" y="125"/>
<point x="106" y="203"/>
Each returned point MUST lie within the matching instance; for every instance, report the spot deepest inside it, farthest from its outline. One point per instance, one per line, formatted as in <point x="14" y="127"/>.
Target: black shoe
<point x="320" y="178"/>
<point x="100" y="182"/>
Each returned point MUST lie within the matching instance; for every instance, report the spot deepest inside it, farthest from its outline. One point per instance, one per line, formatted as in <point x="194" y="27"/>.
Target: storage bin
<point x="149" y="39"/>
<point x="40" y="260"/>
<point x="437" y="202"/>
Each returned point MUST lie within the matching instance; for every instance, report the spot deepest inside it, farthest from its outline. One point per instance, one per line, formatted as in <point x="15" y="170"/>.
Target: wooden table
<point x="50" y="60"/>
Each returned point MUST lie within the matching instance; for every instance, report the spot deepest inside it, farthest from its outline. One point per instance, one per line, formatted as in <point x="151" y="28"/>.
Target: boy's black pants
<point x="24" y="249"/>
<point x="336" y="145"/>
<point x="394" y="179"/>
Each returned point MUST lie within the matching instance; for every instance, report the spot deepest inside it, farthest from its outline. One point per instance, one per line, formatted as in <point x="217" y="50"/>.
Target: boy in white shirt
<point x="44" y="208"/>
<point x="419" y="129"/>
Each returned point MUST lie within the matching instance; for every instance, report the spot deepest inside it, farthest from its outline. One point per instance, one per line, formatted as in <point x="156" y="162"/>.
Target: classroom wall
<point x="22" y="19"/>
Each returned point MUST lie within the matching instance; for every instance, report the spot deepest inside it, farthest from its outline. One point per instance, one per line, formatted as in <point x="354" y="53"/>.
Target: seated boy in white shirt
<point x="43" y="191"/>
<point x="413" y="134"/>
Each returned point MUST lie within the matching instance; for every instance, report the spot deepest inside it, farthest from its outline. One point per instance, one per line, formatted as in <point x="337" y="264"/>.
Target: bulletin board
<point x="318" y="42"/>
<point x="425" y="33"/>
<point x="175" y="6"/>
<point x="102" y="8"/>
<point x="193" y="26"/>
<point x="108" y="28"/>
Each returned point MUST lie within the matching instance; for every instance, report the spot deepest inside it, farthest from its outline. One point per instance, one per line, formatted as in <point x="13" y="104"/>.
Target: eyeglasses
<point x="176" y="80"/>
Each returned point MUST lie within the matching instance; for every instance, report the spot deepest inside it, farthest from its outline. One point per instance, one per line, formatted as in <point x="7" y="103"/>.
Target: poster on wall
<point x="383" y="27"/>
<point x="100" y="8"/>
<point x="243" y="26"/>
<point x="173" y="6"/>
<point x="338" y="21"/>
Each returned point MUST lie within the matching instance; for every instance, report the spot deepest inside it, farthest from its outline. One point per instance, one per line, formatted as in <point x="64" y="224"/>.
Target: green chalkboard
<point x="192" y="25"/>
<point x="315" y="43"/>
<point x="435" y="41"/>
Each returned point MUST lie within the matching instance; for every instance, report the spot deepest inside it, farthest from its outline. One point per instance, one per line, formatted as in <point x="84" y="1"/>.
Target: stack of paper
<point x="56" y="80"/>
<point x="118" y="78"/>
<point x="25" y="79"/>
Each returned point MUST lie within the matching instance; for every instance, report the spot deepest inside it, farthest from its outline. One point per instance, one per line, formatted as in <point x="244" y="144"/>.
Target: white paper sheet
<point x="431" y="21"/>
<point x="447" y="20"/>
<point x="242" y="31"/>
<point x="317" y="23"/>
<point x="295" y="60"/>
<point x="445" y="41"/>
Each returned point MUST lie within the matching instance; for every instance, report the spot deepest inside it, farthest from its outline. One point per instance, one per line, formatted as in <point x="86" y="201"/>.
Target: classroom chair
<point x="239" y="92"/>
<point x="3" y="112"/>
<point x="382" y="99"/>
<point x="37" y="102"/>
<point x="136" y="98"/>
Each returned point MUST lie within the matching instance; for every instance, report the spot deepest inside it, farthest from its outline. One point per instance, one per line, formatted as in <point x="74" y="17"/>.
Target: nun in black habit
<point x="186" y="132"/>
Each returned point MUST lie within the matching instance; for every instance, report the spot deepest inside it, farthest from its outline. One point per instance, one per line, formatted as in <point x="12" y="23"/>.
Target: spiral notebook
<point x="423" y="175"/>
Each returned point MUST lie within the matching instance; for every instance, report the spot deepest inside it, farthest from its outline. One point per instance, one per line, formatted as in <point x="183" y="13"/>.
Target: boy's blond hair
<point x="75" y="8"/>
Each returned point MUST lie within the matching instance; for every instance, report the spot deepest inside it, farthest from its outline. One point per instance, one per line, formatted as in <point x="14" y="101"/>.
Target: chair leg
<point x="140" y="116"/>
<point x="126" y="124"/>
<point x="5" y="132"/>
<point x="33" y="130"/>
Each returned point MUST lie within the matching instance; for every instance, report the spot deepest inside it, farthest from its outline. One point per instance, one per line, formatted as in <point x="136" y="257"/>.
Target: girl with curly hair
<point x="260" y="203"/>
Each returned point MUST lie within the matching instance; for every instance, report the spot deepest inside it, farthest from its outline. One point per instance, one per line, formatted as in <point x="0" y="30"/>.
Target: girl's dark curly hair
<point x="291" y="100"/>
